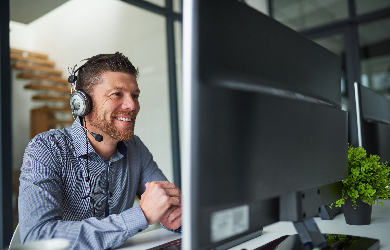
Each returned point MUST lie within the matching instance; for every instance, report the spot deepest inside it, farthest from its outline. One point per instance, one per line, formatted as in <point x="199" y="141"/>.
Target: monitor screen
<point x="264" y="137"/>
<point x="373" y="111"/>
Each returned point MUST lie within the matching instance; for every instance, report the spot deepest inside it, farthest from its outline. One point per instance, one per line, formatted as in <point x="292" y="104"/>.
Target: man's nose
<point x="129" y="103"/>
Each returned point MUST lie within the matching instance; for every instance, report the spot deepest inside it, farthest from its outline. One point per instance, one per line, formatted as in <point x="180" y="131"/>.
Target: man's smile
<point x="125" y="119"/>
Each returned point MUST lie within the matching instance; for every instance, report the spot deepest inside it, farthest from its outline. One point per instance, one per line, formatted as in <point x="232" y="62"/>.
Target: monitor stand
<point x="310" y="235"/>
<point x="329" y="212"/>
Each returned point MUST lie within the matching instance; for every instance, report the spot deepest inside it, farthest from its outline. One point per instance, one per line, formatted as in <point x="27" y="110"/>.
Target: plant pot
<point x="359" y="214"/>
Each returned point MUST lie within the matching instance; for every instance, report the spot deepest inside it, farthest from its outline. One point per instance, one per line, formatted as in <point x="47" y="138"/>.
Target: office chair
<point x="52" y="244"/>
<point x="15" y="239"/>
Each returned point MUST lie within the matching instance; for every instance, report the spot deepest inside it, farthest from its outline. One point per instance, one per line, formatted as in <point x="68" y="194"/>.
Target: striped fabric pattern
<point x="57" y="201"/>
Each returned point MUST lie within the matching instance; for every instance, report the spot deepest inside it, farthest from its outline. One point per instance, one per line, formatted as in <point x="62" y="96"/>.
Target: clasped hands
<point x="161" y="201"/>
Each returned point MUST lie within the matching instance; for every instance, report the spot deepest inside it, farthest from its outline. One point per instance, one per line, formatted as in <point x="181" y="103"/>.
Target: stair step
<point x="53" y="109"/>
<point x="45" y="69"/>
<point x="26" y="53"/>
<point x="45" y="78"/>
<point x="47" y="87"/>
<point x="19" y="57"/>
<point x="50" y="98"/>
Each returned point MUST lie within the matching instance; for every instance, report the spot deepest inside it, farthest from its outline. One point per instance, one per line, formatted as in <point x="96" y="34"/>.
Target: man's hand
<point x="158" y="199"/>
<point x="172" y="218"/>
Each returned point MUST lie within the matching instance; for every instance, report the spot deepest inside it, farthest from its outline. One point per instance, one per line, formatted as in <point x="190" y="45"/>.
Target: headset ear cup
<point x="80" y="103"/>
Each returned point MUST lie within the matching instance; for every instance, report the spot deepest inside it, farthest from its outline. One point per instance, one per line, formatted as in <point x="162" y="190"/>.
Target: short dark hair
<point x="90" y="73"/>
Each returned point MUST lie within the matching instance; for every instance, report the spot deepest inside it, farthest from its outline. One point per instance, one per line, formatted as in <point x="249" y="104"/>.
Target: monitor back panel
<point x="374" y="111"/>
<point x="252" y="147"/>
<point x="265" y="117"/>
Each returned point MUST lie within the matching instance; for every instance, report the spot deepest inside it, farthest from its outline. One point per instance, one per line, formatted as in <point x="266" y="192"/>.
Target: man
<point x="73" y="186"/>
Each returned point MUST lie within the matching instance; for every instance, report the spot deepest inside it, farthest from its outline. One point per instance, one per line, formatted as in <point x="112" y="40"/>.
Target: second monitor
<point x="265" y="138"/>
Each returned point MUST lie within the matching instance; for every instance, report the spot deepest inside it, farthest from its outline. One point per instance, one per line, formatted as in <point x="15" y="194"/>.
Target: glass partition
<point x="305" y="14"/>
<point x="364" y="6"/>
<point x="374" y="39"/>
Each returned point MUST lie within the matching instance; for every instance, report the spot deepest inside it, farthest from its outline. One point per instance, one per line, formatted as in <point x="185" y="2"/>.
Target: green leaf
<point x="367" y="180"/>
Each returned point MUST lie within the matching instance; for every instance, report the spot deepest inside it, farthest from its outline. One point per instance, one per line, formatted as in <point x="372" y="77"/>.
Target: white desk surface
<point x="378" y="229"/>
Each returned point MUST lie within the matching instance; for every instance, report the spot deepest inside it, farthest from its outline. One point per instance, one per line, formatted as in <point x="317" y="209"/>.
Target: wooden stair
<point x="51" y="98"/>
<point x="25" y="53"/>
<point x="32" y="60"/>
<point x="39" y="86"/>
<point x="54" y="79"/>
<point x="51" y="89"/>
<point x="36" y="67"/>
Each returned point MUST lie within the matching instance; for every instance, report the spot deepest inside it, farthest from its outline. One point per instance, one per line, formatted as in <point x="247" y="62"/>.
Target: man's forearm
<point x="92" y="233"/>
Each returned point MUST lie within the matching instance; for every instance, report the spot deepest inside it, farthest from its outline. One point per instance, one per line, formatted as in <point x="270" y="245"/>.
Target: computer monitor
<point x="264" y="136"/>
<point x="373" y="112"/>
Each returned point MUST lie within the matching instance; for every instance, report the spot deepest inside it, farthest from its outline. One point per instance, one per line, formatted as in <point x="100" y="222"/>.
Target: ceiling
<point x="26" y="11"/>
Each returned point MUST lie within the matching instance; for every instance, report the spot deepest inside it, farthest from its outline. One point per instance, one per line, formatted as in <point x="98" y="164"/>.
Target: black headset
<point x="80" y="102"/>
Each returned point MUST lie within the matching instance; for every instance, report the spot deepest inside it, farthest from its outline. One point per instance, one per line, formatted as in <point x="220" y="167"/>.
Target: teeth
<point x="124" y="119"/>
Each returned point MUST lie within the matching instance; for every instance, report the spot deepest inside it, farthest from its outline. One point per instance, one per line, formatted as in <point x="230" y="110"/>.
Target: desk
<point x="149" y="239"/>
<point x="378" y="229"/>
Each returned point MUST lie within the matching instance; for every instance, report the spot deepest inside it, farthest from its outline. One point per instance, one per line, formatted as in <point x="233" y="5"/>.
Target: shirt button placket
<point x="107" y="188"/>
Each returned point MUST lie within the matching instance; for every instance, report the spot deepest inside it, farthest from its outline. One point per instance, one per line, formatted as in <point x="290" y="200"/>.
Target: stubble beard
<point x="109" y="128"/>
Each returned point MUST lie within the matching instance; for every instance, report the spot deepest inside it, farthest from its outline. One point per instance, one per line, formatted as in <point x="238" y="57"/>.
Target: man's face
<point x="115" y="105"/>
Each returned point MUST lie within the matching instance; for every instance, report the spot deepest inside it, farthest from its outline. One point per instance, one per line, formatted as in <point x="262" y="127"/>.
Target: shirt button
<point x="110" y="194"/>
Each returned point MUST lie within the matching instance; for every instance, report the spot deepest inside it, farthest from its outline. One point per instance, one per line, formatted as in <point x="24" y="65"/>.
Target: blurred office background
<point x="149" y="33"/>
<point x="356" y="30"/>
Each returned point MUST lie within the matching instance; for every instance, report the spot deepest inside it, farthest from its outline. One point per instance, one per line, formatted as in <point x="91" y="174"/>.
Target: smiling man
<point x="77" y="187"/>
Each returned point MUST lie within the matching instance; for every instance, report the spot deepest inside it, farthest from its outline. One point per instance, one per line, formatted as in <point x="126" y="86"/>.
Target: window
<point x="305" y="14"/>
<point x="374" y="39"/>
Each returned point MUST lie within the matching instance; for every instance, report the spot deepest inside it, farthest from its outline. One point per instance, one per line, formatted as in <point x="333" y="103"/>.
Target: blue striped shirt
<point x="56" y="200"/>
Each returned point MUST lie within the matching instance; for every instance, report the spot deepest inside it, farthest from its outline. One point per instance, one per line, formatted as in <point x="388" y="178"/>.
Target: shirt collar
<point x="122" y="148"/>
<point x="120" y="152"/>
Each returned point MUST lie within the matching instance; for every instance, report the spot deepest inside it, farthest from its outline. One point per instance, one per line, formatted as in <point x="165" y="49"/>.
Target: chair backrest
<point x="15" y="239"/>
<point x="50" y="244"/>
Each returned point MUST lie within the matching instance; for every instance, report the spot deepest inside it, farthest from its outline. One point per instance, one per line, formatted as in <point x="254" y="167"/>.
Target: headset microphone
<point x="98" y="137"/>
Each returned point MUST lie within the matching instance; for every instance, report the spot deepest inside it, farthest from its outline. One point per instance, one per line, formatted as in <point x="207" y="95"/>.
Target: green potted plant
<point x="367" y="183"/>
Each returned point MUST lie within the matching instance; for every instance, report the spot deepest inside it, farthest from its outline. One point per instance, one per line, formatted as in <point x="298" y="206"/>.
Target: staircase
<point x="51" y="90"/>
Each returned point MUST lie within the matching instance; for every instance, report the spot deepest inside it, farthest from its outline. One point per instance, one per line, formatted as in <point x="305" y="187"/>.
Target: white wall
<point x="80" y="29"/>
<point x="260" y="5"/>
<point x="20" y="37"/>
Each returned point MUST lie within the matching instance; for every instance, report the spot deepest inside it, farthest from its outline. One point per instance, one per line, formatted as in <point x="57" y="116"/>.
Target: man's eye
<point x="116" y="94"/>
<point x="135" y="96"/>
